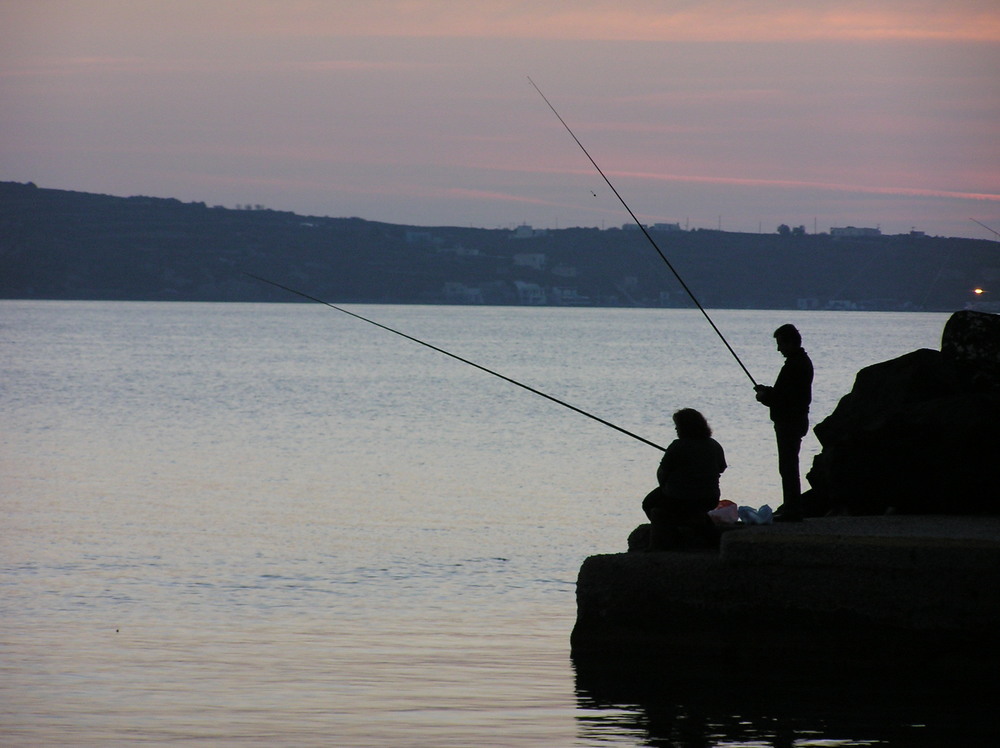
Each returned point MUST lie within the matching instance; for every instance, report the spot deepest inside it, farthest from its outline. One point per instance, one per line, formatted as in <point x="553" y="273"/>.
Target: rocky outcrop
<point x="919" y="434"/>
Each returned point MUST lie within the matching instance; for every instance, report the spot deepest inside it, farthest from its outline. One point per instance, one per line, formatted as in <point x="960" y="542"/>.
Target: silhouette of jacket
<point x="689" y="471"/>
<point x="788" y="400"/>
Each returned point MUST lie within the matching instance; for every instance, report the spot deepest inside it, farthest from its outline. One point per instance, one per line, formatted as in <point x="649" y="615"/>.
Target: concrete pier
<point x="859" y="586"/>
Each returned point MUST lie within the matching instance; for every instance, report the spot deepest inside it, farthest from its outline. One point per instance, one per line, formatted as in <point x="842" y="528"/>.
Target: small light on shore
<point x="978" y="291"/>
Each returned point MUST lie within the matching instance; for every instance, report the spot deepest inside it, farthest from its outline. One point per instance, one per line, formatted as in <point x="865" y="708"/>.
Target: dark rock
<point x="638" y="539"/>
<point x="919" y="433"/>
<point x="970" y="342"/>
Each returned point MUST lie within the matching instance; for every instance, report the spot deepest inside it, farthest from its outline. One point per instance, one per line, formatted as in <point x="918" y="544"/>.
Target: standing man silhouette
<point x="788" y="401"/>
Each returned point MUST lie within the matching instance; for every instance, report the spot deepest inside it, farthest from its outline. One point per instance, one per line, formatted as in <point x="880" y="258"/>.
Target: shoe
<point x="784" y="514"/>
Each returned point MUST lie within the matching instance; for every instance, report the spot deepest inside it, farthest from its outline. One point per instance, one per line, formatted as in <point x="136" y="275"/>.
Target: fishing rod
<point x="646" y="234"/>
<point x="986" y="227"/>
<point x="458" y="358"/>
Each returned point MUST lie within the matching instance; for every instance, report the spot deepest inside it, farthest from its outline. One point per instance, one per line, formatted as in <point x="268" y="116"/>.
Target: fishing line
<point x="458" y="358"/>
<point x="986" y="227"/>
<point x="645" y="233"/>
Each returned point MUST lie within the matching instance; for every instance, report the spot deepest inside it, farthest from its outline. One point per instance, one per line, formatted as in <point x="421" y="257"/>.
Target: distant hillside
<point x="57" y="244"/>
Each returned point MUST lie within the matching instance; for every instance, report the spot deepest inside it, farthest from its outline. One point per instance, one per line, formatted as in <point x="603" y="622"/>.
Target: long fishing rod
<point x="986" y="227"/>
<point x="458" y="358"/>
<point x="646" y="234"/>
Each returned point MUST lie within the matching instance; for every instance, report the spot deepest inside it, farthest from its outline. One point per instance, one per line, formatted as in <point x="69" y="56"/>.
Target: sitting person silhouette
<point x="688" y="489"/>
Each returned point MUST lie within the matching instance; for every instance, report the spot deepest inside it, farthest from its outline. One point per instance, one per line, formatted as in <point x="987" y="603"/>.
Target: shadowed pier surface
<point x="886" y="581"/>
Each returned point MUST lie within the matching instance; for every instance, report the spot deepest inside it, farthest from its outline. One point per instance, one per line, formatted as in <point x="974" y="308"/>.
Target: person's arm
<point x="791" y="389"/>
<point x="764" y="394"/>
<point x="668" y="464"/>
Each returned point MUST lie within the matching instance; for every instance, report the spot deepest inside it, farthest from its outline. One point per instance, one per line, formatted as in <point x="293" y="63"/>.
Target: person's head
<point x="690" y="423"/>
<point x="787" y="338"/>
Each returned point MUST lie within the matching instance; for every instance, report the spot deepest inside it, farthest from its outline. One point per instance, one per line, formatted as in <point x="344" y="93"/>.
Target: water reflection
<point x="642" y="700"/>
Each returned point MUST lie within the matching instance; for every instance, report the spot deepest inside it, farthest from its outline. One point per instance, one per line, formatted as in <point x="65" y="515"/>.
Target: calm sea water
<point x="275" y="524"/>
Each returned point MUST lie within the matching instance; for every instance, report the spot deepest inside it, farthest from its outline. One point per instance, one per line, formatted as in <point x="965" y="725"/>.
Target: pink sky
<point x="718" y="113"/>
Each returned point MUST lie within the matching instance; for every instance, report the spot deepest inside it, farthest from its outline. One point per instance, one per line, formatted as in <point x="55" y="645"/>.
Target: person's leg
<point x="663" y="534"/>
<point x="653" y="500"/>
<point x="661" y="531"/>
<point x="789" y="443"/>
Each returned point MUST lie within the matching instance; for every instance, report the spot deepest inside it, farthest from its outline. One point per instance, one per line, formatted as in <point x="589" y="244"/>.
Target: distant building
<point x="666" y="227"/>
<point x="460" y="251"/>
<point x="530" y="293"/>
<point x="569" y="297"/>
<point x="853" y="232"/>
<point x="524" y="231"/>
<point x="534" y="260"/>
<point x="841" y="305"/>
<point x="459" y="293"/>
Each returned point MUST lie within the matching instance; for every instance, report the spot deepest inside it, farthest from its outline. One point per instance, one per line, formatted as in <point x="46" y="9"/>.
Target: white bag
<point x="726" y="513"/>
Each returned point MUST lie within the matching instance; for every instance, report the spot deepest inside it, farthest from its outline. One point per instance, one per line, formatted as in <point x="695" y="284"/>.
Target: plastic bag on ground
<point x="726" y="513"/>
<point x="750" y="516"/>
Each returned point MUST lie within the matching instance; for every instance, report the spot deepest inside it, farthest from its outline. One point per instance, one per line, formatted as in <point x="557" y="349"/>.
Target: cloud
<point x="825" y="186"/>
<point x="624" y="20"/>
<point x="649" y="20"/>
